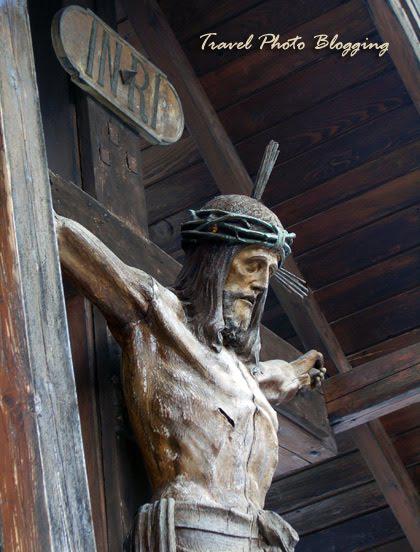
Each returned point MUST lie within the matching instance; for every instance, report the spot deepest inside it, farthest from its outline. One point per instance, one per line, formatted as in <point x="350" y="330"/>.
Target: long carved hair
<point x="200" y="285"/>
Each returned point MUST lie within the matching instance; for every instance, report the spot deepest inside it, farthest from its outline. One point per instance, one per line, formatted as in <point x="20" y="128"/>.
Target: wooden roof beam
<point x="374" y="389"/>
<point x="230" y="175"/>
<point x="398" y="23"/>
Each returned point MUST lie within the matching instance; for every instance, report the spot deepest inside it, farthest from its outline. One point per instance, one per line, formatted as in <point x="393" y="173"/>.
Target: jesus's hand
<point x="310" y="369"/>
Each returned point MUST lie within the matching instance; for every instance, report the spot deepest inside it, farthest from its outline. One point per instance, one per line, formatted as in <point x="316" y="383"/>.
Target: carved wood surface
<point x="111" y="70"/>
<point x="45" y="500"/>
<point x="136" y="250"/>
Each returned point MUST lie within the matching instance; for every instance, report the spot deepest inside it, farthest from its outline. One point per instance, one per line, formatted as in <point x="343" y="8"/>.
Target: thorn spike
<point x="267" y="164"/>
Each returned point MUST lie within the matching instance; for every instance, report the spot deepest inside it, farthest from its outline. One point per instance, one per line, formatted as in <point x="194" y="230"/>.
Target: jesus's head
<point x="233" y="245"/>
<point x="246" y="287"/>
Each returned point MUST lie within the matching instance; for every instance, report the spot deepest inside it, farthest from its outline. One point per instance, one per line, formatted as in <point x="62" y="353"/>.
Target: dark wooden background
<point x="346" y="182"/>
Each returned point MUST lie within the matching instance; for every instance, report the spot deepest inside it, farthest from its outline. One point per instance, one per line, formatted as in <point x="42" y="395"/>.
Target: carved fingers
<point x="310" y="369"/>
<point x="317" y="376"/>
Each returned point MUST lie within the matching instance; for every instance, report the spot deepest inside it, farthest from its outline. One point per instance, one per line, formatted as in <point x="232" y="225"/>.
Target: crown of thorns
<point x="241" y="229"/>
<point x="235" y="228"/>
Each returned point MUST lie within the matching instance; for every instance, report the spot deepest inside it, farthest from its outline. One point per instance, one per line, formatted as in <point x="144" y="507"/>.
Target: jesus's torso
<point x="207" y="432"/>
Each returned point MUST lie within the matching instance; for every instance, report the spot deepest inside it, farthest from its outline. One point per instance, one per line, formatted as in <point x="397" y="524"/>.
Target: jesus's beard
<point x="236" y="331"/>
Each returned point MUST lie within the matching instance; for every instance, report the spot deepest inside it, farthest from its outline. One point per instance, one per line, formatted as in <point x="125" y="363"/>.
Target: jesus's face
<point x="247" y="279"/>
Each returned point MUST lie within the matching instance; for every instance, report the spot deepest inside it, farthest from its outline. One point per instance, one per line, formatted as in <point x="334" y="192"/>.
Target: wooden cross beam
<point x="151" y="27"/>
<point x="44" y="498"/>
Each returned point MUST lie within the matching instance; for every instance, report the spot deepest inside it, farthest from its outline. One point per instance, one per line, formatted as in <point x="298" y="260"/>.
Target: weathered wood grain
<point x="401" y="421"/>
<point x="297" y="133"/>
<point x="392" y="478"/>
<point x="23" y="508"/>
<point x="342" y="154"/>
<point x="263" y="110"/>
<point x="111" y="162"/>
<point x="245" y="75"/>
<point x="195" y="185"/>
<point x="60" y="484"/>
<point x="374" y="389"/>
<point x="365" y="328"/>
<point x="357" y="212"/>
<point x="372" y="285"/>
<point x="384" y="347"/>
<point x="356" y="534"/>
<point x="295" y="491"/>
<point x="338" y="508"/>
<point x="57" y="105"/>
<point x="326" y="121"/>
<point x="371" y="372"/>
<point x="391" y="396"/>
<point x="307" y="172"/>
<point x="289" y="462"/>
<point x="397" y="231"/>
<point x="386" y="166"/>
<point x="396" y="425"/>
<point x="125" y="482"/>
<point x="201" y="15"/>
<point x="391" y="317"/>
<point x="79" y="317"/>
<point x="266" y="17"/>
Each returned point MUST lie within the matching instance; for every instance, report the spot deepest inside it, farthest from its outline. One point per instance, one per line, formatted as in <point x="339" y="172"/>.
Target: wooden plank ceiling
<point x="345" y="182"/>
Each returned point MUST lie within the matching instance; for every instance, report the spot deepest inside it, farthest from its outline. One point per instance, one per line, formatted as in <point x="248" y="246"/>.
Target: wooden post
<point x="111" y="173"/>
<point x="150" y="25"/>
<point x="44" y="500"/>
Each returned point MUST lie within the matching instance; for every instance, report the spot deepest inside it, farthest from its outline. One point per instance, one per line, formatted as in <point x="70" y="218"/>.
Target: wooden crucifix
<point x="197" y="395"/>
<point x="104" y="154"/>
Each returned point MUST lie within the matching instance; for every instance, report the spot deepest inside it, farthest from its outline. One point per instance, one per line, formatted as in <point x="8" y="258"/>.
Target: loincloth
<point x="170" y="526"/>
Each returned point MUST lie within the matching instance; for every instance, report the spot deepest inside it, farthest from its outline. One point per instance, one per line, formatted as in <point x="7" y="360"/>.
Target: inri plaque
<point x="117" y="75"/>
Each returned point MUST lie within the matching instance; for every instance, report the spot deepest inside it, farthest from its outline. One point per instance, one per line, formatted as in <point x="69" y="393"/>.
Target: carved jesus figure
<point x="199" y="400"/>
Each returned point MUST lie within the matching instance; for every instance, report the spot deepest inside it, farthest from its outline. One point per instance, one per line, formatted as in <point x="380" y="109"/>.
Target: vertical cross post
<point x="44" y="500"/>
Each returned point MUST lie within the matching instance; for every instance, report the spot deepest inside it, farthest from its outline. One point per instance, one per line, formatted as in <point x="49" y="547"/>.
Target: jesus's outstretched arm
<point x="121" y="292"/>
